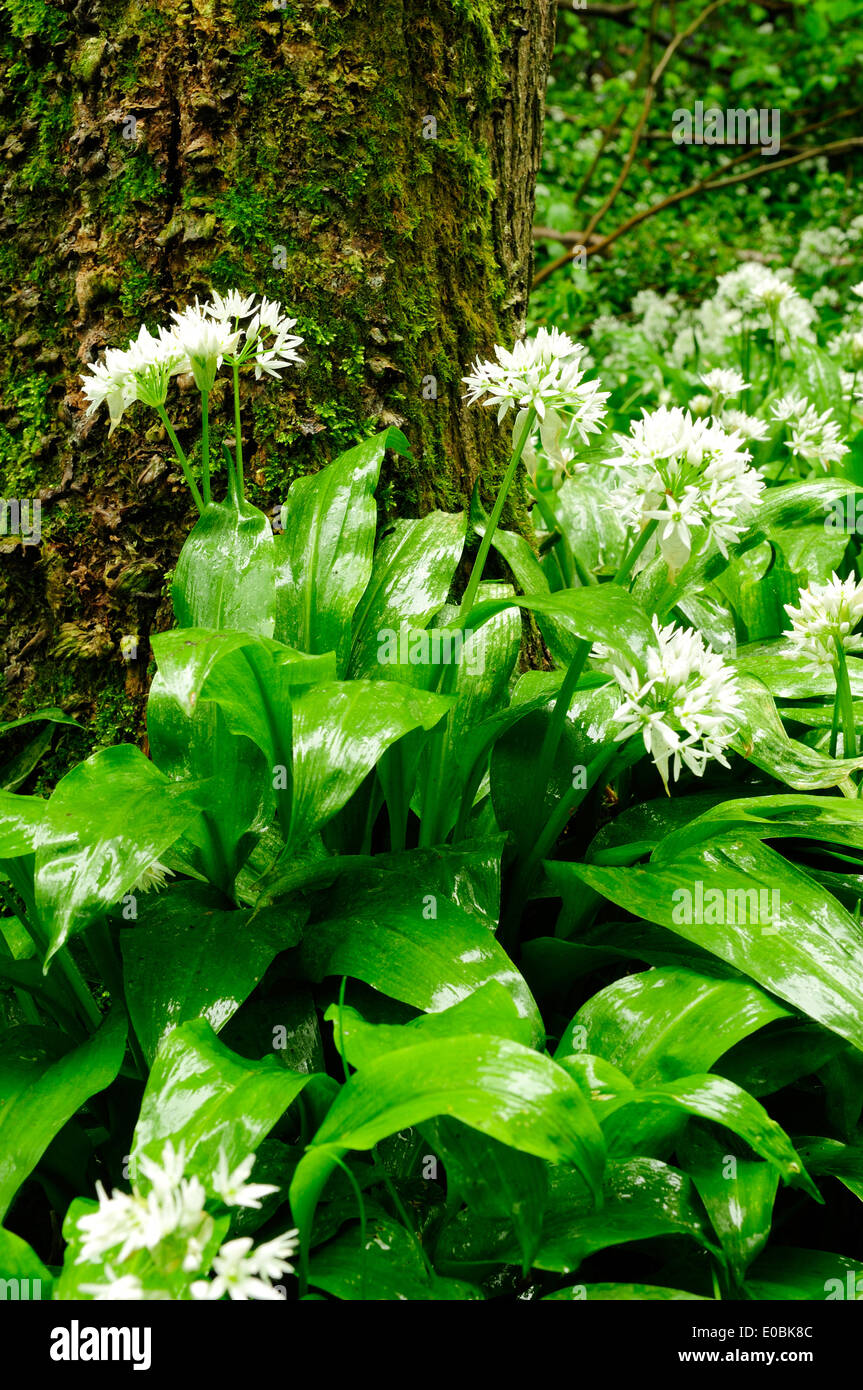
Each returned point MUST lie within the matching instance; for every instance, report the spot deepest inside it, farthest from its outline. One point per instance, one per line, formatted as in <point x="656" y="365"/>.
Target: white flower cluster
<point x="814" y="436"/>
<point x="750" y="297"/>
<point x="202" y="337"/>
<point x="170" y="1222"/>
<point x="546" y="374"/>
<point x="827" y="616"/>
<point x="823" y="248"/>
<point x="687" y="475"/>
<point x="686" y="708"/>
<point x="723" y="382"/>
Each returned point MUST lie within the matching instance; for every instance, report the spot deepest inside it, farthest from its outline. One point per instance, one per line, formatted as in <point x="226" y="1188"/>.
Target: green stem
<point x="545" y="842"/>
<point x="65" y="964"/>
<point x="205" y="446"/>
<point x="103" y="952"/>
<point x="571" y="565"/>
<point x="635" y="550"/>
<point x="238" y="434"/>
<point x="834" y="727"/>
<point x="555" y="727"/>
<point x="845" y="701"/>
<point x="184" y="462"/>
<point x="491" y="526"/>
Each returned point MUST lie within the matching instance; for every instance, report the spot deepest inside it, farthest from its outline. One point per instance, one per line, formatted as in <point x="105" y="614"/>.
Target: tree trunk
<point x="371" y="165"/>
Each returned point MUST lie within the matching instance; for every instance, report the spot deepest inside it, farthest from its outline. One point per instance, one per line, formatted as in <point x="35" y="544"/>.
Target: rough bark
<point x="371" y="165"/>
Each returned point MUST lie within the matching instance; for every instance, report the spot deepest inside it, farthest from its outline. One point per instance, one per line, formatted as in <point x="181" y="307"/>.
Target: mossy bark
<point x="370" y="163"/>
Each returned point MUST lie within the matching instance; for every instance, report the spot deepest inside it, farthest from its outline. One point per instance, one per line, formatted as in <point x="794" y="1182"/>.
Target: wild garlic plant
<point x="228" y="330"/>
<point x="364" y="902"/>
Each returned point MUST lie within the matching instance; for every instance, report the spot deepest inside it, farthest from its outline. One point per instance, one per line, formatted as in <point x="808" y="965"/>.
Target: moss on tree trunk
<point x="371" y="165"/>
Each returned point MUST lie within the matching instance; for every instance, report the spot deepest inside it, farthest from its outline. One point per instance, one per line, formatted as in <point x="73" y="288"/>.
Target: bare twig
<point x="649" y="95"/>
<point x="709" y="185"/>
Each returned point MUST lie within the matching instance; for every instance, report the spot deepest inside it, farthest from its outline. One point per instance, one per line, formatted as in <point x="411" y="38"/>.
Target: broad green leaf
<point x="830" y="1158"/>
<point x="667" y="1023"/>
<point x="819" y="374"/>
<point x="594" y="530"/>
<point x="324" y="558"/>
<point x="238" y="784"/>
<point x="24" y="1275"/>
<point x="341" y="728"/>
<point x="41" y="1087"/>
<point x="388" y="1267"/>
<point x="188" y="657"/>
<point x="777" y="666"/>
<point x="190" y="955"/>
<point x="761" y="739"/>
<point x="641" y="827"/>
<point x="201" y="1094"/>
<point x="642" y="1198"/>
<point x="410" y="581"/>
<point x="404" y="937"/>
<point x="490" y="1009"/>
<point x="225" y="574"/>
<point x="480" y="686"/>
<point x="836" y="820"/>
<point x="599" y="613"/>
<point x="530" y="577"/>
<point x="779" y="508"/>
<point x="709" y="1098"/>
<point x="25" y="824"/>
<point x="122" y="814"/>
<point x="491" y="1084"/>
<point x="811" y="1275"/>
<point x="496" y="1182"/>
<point x="812" y="957"/>
<point x="737" y="1193"/>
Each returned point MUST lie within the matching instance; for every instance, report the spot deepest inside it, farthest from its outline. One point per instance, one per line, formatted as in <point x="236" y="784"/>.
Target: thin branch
<point x="649" y="95"/>
<point x="702" y="186"/>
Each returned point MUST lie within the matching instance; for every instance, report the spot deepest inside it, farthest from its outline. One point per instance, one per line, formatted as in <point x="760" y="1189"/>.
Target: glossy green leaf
<point x="709" y="1098"/>
<point x="761" y="739"/>
<point x="491" y="1084"/>
<point x="642" y="1198"/>
<point x="41" y="1088"/>
<point x="496" y="1182"/>
<point x="238" y="784"/>
<point x="122" y="815"/>
<point x="324" y="557"/>
<point x="811" y="1275"/>
<point x="403" y="936"/>
<point x="598" y="613"/>
<point x="387" y="1268"/>
<point x="201" y="1094"/>
<point x="480" y="686"/>
<point x="490" y="1009"/>
<point x="836" y="820"/>
<point x="777" y="665"/>
<point x="830" y="1158"/>
<point x="26" y="822"/>
<point x="23" y="1271"/>
<point x="341" y="728"/>
<point x="668" y="1022"/>
<point x="225" y="574"/>
<point x="737" y="1193"/>
<point x="190" y="955"/>
<point x="812" y="957"/>
<point x="410" y="581"/>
